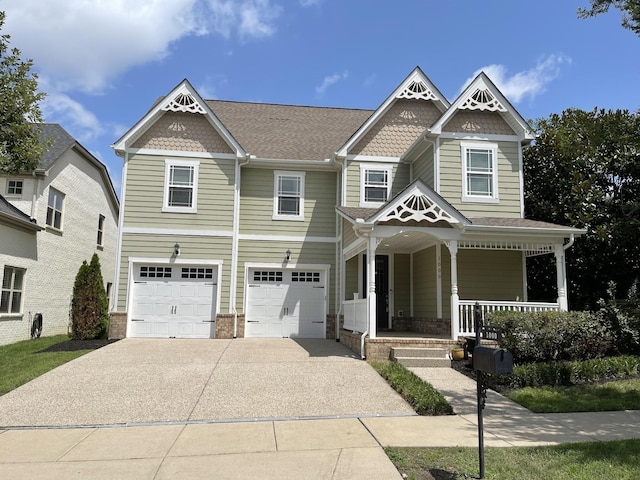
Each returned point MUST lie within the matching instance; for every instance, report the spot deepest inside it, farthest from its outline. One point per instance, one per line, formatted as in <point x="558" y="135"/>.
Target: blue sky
<point x="104" y="62"/>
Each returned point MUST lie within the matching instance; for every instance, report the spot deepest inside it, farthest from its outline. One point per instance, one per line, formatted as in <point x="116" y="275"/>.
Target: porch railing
<point x="466" y="308"/>
<point x="355" y="315"/>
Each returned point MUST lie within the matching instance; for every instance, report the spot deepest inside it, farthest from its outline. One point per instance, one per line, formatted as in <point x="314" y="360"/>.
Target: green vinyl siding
<point x="145" y="189"/>
<point x="257" y="197"/>
<point x="402" y="283"/>
<point x="424" y="283"/>
<point x="348" y="234"/>
<point x="423" y="168"/>
<point x="351" y="278"/>
<point x="272" y="252"/>
<point x="508" y="181"/>
<point x="191" y="247"/>
<point x="490" y="275"/>
<point x="401" y="177"/>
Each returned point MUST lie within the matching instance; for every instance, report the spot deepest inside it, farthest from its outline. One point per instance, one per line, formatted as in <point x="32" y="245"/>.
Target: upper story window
<point x="180" y="186"/>
<point x="14" y="187"/>
<point x="375" y="184"/>
<point x="479" y="172"/>
<point x="12" y="288"/>
<point x="54" y="209"/>
<point x="100" y="230"/>
<point x="288" y="196"/>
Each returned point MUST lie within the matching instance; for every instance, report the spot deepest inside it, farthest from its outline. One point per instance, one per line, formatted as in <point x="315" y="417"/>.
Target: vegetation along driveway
<point x="149" y="380"/>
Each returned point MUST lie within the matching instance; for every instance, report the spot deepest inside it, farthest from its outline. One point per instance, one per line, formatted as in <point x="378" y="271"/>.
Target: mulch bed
<point x="75" y="345"/>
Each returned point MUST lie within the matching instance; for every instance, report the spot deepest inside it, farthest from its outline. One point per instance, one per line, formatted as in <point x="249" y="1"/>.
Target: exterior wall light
<point x="176" y="249"/>
<point x="287" y="256"/>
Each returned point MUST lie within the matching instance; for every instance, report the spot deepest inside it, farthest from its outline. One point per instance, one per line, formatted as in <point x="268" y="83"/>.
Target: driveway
<point x="148" y="381"/>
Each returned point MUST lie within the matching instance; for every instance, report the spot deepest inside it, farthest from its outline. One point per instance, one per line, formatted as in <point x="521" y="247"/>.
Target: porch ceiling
<point x="406" y="242"/>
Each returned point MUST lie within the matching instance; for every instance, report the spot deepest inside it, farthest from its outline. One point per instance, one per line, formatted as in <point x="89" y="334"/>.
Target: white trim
<point x="364" y="168"/>
<point x="175" y="153"/>
<point x="479" y="138"/>
<point x="277" y="174"/>
<point x="287" y="238"/>
<point x="373" y="158"/>
<point x="176" y="231"/>
<point x="168" y="163"/>
<point x="490" y="147"/>
<point x="521" y="178"/>
<point x="411" y="284"/>
<point x="391" y="305"/>
<point x="525" y="286"/>
<point x="438" y="248"/>
<point x="123" y="190"/>
<point x="436" y="166"/>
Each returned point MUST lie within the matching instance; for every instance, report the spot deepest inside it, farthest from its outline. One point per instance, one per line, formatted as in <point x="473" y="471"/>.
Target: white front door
<point x="176" y="301"/>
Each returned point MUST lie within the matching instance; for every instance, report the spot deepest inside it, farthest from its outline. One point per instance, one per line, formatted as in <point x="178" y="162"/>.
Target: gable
<point x="398" y="128"/>
<point x="469" y="121"/>
<point x="177" y="131"/>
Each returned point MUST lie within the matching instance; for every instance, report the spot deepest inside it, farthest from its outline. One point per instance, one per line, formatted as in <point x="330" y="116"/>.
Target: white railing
<point x="466" y="308"/>
<point x="355" y="315"/>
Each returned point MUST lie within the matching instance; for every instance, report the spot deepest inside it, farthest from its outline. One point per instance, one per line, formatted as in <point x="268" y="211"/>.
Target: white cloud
<point x="331" y="80"/>
<point x="528" y="83"/>
<point x="83" y="124"/>
<point x="310" y="3"/>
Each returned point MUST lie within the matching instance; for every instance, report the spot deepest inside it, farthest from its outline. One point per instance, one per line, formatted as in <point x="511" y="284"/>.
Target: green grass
<point x="20" y="362"/>
<point x="424" y="399"/>
<point x="609" y="396"/>
<point x="572" y="461"/>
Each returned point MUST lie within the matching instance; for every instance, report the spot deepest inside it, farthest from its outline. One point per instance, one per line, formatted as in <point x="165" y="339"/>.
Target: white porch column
<point x="455" y="299"/>
<point x="371" y="285"/>
<point x="561" y="278"/>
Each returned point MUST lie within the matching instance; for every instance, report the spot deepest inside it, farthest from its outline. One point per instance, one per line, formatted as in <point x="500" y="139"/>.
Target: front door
<point x="382" y="289"/>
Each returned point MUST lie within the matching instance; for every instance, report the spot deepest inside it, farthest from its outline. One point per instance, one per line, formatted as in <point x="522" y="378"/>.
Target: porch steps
<point x="420" y="356"/>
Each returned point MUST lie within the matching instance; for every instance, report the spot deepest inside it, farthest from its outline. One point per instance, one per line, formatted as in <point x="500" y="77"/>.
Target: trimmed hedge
<point x="424" y="399"/>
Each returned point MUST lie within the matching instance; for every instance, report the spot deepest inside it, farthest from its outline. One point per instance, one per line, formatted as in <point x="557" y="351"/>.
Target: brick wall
<point x="117" y="325"/>
<point x="224" y="325"/>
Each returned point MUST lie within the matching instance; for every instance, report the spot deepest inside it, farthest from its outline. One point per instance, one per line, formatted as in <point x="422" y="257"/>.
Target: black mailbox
<point x="497" y="361"/>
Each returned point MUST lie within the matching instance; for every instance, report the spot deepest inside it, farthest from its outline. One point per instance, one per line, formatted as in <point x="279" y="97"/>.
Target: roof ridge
<point x="290" y="105"/>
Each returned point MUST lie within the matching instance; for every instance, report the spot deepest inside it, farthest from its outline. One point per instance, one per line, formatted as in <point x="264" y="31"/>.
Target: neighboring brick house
<point x="262" y="220"/>
<point x="51" y="220"/>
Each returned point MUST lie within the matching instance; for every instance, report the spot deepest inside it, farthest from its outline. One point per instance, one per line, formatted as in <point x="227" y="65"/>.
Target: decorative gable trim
<point x="183" y="101"/>
<point x="416" y="86"/>
<point x="482" y="99"/>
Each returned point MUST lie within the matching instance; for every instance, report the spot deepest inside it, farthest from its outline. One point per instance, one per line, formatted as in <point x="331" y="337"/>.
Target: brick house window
<point x="100" y="230"/>
<point x="12" y="288"/>
<point x="14" y="187"/>
<point x="54" y="209"/>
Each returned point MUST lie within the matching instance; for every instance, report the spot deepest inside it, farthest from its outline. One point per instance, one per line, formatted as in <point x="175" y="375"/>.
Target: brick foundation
<point x="331" y="327"/>
<point x="224" y="325"/>
<point x="427" y="326"/>
<point x="117" y="325"/>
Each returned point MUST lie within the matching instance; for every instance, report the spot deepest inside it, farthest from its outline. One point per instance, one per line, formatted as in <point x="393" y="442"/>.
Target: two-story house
<point x="261" y="220"/>
<point x="51" y="220"/>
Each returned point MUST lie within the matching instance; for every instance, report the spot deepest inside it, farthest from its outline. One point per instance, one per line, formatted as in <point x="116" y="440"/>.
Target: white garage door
<point x="285" y="304"/>
<point x="176" y="301"/>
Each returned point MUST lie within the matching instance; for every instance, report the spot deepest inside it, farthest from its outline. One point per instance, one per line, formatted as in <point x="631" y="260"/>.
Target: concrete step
<point x="418" y="352"/>
<point x="424" y="362"/>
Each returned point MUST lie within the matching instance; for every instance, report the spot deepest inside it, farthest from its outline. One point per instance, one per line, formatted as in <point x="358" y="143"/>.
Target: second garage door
<point x="285" y="303"/>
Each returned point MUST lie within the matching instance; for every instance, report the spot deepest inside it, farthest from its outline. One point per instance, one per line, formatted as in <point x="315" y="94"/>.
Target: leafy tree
<point x="584" y="171"/>
<point x="630" y="12"/>
<point x="89" y="307"/>
<point x="20" y="146"/>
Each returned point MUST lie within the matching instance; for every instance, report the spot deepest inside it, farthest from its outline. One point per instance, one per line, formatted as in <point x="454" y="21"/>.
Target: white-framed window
<point x="14" y="187"/>
<point x="181" y="186"/>
<point x="288" y="195"/>
<point x="100" y="230"/>
<point x="375" y="184"/>
<point x="479" y="172"/>
<point x="54" y="208"/>
<point x="12" y="288"/>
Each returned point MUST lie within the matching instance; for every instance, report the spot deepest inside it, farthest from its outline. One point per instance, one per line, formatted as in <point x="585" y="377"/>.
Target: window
<point x="375" y="185"/>
<point x="288" y="201"/>
<point x="100" y="229"/>
<point x="14" y="187"/>
<point x="12" y="288"/>
<point x="267" y="276"/>
<point x="155" y="272"/>
<point x="480" y="175"/>
<point x="54" y="209"/>
<point x="180" y="186"/>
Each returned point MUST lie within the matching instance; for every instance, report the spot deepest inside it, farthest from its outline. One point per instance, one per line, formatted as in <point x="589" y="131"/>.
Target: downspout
<point x="233" y="287"/>
<point x="572" y="239"/>
<point x="339" y="244"/>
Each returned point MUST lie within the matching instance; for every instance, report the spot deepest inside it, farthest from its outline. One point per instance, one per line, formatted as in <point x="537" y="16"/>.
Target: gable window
<point x="100" y="230"/>
<point x="288" y="201"/>
<point x="180" y="186"/>
<point x="479" y="172"/>
<point x="54" y="209"/>
<point x="12" y="288"/>
<point x="14" y="187"/>
<point x="375" y="185"/>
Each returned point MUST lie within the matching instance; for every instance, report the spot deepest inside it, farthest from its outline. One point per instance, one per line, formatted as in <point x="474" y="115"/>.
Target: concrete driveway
<point x="137" y="381"/>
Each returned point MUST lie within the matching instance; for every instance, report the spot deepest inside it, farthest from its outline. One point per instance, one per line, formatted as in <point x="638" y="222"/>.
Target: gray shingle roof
<point x="61" y="142"/>
<point x="515" y="222"/>
<point x="288" y="132"/>
<point x="8" y="210"/>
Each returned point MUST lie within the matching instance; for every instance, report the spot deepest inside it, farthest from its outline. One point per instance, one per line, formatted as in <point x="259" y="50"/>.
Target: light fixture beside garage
<point x="176" y="249"/>
<point x="287" y="256"/>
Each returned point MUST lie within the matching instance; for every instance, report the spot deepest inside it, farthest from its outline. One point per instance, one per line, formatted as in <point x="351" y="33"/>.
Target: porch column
<point x="455" y="299"/>
<point x="371" y="285"/>
<point x="561" y="278"/>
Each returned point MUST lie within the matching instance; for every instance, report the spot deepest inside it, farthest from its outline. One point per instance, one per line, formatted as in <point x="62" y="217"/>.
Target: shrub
<point x="550" y="335"/>
<point x="622" y="320"/>
<point x="89" y="307"/>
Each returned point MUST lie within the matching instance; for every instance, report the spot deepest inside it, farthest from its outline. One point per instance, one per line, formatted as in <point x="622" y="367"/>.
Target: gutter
<point x="572" y="239"/>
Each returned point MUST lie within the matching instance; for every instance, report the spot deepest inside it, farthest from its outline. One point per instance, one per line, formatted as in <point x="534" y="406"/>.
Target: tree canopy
<point x="20" y="145"/>
<point x="583" y="170"/>
<point x="630" y="12"/>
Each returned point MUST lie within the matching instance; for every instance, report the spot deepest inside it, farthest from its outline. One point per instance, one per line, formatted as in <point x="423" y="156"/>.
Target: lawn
<point x="574" y="461"/>
<point x="23" y="361"/>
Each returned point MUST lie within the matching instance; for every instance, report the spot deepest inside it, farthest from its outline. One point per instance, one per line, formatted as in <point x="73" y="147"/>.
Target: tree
<point x="630" y="12"/>
<point x="20" y="145"/>
<point x="89" y="307"/>
<point x="583" y="170"/>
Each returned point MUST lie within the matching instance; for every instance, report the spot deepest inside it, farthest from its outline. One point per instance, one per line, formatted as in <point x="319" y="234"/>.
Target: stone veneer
<point x="224" y="325"/>
<point x="117" y="325"/>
